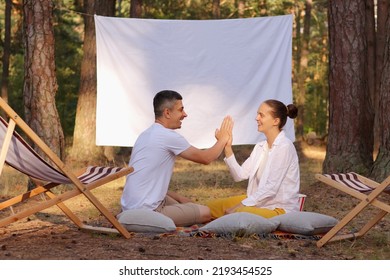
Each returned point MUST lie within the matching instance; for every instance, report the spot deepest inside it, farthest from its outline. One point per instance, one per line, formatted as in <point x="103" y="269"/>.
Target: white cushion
<point x="241" y="223"/>
<point x="141" y="220"/>
<point x="306" y="223"/>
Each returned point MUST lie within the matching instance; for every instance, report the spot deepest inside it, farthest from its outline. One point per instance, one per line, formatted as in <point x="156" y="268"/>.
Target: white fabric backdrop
<point x="220" y="67"/>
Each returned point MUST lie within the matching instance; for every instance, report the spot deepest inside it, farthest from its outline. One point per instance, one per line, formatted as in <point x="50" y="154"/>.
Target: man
<point x="153" y="158"/>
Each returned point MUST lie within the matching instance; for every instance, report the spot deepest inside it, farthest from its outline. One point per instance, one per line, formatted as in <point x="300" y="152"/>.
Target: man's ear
<point x="167" y="113"/>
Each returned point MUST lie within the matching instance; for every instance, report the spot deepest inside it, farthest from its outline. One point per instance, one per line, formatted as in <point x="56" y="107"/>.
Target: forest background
<point x="339" y="76"/>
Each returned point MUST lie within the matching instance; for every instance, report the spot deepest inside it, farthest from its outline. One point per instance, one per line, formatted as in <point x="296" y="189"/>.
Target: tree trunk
<point x="136" y="8"/>
<point x="382" y="15"/>
<point x="371" y="49"/>
<point x="302" y="73"/>
<point x="6" y="50"/>
<point x="40" y="83"/>
<point x="298" y="45"/>
<point x="216" y="9"/>
<point x="84" y="147"/>
<point x="381" y="167"/>
<point x="263" y="10"/>
<point x="350" y="141"/>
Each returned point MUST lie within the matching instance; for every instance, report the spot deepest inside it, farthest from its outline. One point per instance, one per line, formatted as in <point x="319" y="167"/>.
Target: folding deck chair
<point x="362" y="188"/>
<point x="18" y="154"/>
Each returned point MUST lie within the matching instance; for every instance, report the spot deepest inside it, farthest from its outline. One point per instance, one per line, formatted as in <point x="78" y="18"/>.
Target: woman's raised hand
<point x="225" y="132"/>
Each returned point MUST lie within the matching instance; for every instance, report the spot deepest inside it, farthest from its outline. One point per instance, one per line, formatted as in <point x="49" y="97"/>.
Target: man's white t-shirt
<point x="153" y="158"/>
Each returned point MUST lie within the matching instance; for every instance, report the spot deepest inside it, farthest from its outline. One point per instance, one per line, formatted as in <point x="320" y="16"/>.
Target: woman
<point x="272" y="168"/>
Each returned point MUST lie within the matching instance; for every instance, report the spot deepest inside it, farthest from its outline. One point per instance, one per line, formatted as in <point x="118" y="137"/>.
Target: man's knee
<point x="204" y="214"/>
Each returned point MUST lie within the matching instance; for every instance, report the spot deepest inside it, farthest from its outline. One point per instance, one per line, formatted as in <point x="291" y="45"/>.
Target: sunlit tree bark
<point x="40" y="83"/>
<point x="382" y="163"/>
<point x="216" y="9"/>
<point x="84" y="147"/>
<point x="380" y="45"/>
<point x="350" y="141"/>
<point x="136" y="8"/>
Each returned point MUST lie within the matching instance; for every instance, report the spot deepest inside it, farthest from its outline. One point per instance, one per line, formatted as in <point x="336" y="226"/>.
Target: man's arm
<point x="208" y="155"/>
<point x="203" y="156"/>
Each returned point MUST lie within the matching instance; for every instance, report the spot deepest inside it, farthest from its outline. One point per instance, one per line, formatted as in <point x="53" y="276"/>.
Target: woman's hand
<point x="228" y="147"/>
<point x="225" y="133"/>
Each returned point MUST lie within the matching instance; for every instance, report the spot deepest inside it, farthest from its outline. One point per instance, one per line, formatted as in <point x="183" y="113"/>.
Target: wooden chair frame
<point x="79" y="187"/>
<point x="369" y="197"/>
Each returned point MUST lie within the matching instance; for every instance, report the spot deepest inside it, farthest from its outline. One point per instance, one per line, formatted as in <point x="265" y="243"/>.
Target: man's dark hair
<point x="165" y="99"/>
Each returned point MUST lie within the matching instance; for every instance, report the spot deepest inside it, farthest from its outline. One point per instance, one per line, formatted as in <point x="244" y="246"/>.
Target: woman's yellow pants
<point x="219" y="206"/>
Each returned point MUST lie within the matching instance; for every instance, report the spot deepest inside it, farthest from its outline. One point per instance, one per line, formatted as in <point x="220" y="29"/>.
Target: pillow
<point x="241" y="224"/>
<point x="306" y="223"/>
<point x="142" y="220"/>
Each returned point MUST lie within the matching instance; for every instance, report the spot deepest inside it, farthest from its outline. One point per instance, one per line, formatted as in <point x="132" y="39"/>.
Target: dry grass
<point x="202" y="183"/>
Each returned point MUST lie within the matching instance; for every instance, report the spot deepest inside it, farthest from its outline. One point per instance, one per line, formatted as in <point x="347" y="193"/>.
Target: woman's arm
<point x="242" y="172"/>
<point x="228" y="147"/>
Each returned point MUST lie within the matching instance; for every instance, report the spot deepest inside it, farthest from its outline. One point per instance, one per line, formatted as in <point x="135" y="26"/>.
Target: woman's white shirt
<point x="278" y="185"/>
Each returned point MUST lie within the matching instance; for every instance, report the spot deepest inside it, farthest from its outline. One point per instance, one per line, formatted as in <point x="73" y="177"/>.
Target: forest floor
<point x="49" y="235"/>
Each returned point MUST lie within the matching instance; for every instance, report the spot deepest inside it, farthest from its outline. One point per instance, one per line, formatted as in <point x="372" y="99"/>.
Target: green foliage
<point x="16" y="65"/>
<point x="316" y="113"/>
<point x="68" y="55"/>
<point x="316" y="104"/>
<point x="15" y="89"/>
<point x="316" y="79"/>
<point x="67" y="29"/>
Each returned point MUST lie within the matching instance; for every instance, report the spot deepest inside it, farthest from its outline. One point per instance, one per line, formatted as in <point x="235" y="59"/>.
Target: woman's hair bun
<point x="292" y="111"/>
